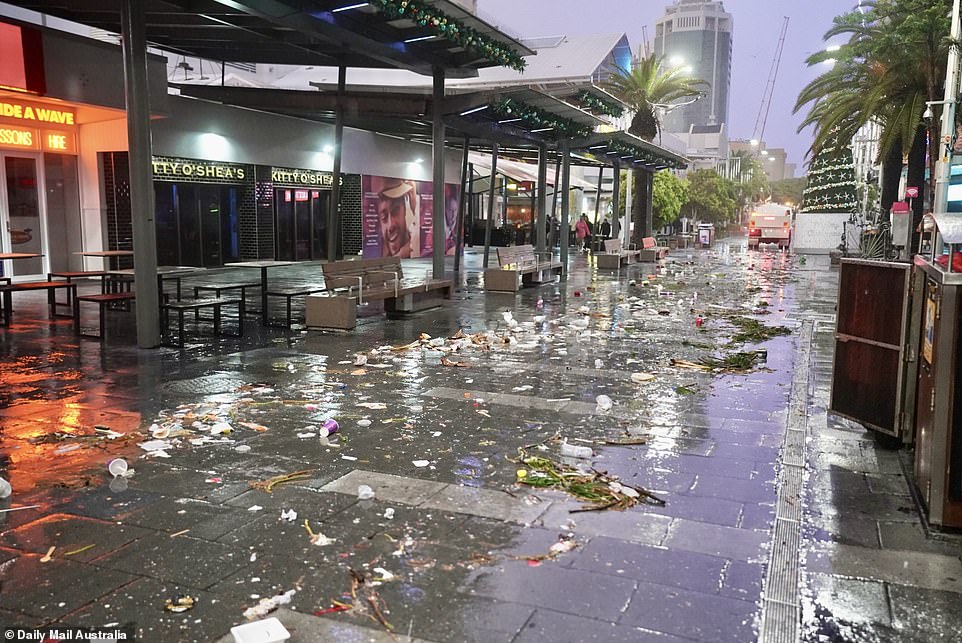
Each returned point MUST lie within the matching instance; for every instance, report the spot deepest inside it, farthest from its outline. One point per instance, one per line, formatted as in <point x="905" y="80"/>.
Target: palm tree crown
<point x="649" y="84"/>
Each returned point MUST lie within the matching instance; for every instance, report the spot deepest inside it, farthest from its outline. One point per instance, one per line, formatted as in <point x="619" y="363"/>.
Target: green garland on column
<point x="600" y="105"/>
<point x="831" y="180"/>
<point x="451" y="29"/>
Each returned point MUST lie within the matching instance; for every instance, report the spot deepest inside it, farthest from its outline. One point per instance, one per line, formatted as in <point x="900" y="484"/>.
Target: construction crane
<point x="758" y="134"/>
<point x="644" y="36"/>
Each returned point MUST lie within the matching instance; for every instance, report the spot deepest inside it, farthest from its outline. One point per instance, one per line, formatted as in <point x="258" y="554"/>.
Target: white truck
<point x="770" y="223"/>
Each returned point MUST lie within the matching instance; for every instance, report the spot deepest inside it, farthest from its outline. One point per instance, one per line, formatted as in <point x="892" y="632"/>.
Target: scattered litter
<point x="268" y="605"/>
<point x="179" y="533"/>
<point x="67" y="448"/>
<point x="364" y="492"/>
<point x="269" y="484"/>
<point x="242" y="448"/>
<point x="80" y="550"/>
<point x="374" y="406"/>
<point x="268" y="630"/>
<point x="254" y="508"/>
<point x="318" y="538"/>
<point x="289" y="515"/>
<point x="389" y="513"/>
<point x="421" y="463"/>
<point x="307" y="434"/>
<point x="604" y="403"/>
<point x="571" y="451"/>
<point x="221" y="428"/>
<point x="49" y="555"/>
<point x="180" y="603"/>
<point x="117" y="467"/>
<point x="5" y="488"/>
<point x="640" y="378"/>
<point x="350" y="458"/>
<point x="364" y="422"/>
<point x="9" y="509"/>
<point x="522" y="389"/>
<point x="155" y="445"/>
<point x="328" y="428"/>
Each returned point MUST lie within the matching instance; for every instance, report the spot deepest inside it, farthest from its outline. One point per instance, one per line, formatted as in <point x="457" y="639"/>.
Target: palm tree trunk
<point x="915" y="176"/>
<point x="891" y="176"/>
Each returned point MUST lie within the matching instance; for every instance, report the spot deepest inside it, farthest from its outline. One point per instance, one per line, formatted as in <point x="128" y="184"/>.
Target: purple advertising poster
<point x="397" y="217"/>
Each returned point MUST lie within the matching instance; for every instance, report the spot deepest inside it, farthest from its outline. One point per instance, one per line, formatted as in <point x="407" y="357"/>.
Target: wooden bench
<point x="651" y="251"/>
<point x="219" y="289"/>
<point x="103" y="300"/>
<point x="520" y="266"/>
<point x="51" y="287"/>
<point x="354" y="283"/>
<point x="182" y="306"/>
<point x="615" y="256"/>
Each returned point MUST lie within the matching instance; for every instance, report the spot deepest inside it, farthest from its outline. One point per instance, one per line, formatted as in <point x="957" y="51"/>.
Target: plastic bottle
<point x="573" y="451"/>
<point x="5" y="488"/>
<point x="328" y="428"/>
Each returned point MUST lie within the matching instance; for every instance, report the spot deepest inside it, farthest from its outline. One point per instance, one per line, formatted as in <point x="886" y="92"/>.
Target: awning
<point x="521" y="172"/>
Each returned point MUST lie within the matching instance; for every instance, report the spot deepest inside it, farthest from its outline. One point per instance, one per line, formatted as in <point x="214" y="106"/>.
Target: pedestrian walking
<point x="583" y="232"/>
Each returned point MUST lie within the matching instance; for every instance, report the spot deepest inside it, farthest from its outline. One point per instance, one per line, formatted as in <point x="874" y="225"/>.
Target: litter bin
<point x="706" y="235"/>
<point x="938" y="411"/>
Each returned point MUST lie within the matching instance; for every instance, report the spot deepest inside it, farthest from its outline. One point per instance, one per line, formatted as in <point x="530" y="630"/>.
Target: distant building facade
<point x="698" y="34"/>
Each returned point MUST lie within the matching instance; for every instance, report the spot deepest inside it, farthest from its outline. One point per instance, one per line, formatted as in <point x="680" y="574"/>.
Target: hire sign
<point x="24" y="126"/>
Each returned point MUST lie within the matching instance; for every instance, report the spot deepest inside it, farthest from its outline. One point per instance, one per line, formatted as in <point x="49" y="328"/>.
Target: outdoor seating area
<point x="179" y="307"/>
<point x="51" y="287"/>
<point x="359" y="282"/>
<point x="615" y="256"/>
<point x="651" y="251"/>
<point x="520" y="266"/>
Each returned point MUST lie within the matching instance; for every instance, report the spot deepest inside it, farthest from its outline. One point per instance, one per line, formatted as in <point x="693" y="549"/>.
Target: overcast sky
<point x="757" y="24"/>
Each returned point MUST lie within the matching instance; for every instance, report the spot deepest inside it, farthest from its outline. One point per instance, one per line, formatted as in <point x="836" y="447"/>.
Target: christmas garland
<point x="450" y="29"/>
<point x="599" y="104"/>
<point x="643" y="155"/>
<point x="540" y="119"/>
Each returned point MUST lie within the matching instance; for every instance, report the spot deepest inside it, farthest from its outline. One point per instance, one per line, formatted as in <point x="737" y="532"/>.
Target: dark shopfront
<point x="197" y="206"/>
<point x="209" y="212"/>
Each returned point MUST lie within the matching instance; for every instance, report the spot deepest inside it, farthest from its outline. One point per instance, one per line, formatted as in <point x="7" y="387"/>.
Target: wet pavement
<point x="444" y="415"/>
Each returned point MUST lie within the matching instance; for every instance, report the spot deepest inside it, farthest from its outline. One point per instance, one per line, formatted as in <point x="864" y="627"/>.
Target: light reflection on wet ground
<point x="712" y="455"/>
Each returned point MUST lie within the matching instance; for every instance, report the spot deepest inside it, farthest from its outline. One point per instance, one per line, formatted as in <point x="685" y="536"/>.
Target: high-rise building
<point x="697" y="35"/>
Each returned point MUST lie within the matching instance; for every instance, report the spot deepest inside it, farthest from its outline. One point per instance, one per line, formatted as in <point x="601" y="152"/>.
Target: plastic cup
<point x="329" y="427"/>
<point x="5" y="489"/>
<point x="117" y="467"/>
<point x="364" y="492"/>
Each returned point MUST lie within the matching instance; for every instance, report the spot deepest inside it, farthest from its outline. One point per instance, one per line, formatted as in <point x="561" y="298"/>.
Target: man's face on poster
<point x="394" y="232"/>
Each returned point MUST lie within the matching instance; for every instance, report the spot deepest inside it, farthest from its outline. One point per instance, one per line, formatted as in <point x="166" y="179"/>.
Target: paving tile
<point x="410" y="491"/>
<point x="693" y="615"/>
<point x="50" y="590"/>
<point x="546" y="625"/>
<point x="141" y="603"/>
<point x="929" y="610"/>
<point x="849" y="600"/>
<point x="632" y="525"/>
<point x="172" y="514"/>
<point x="305" y="627"/>
<point x="486" y="503"/>
<point x="717" y="540"/>
<point x="703" y="509"/>
<point x="742" y="580"/>
<point x="673" y="567"/>
<point x="565" y="590"/>
<point x="757" y="516"/>
<point x="71" y="533"/>
<point x="915" y="569"/>
<point x="910" y="536"/>
<point x="182" y="560"/>
<point x="754" y="491"/>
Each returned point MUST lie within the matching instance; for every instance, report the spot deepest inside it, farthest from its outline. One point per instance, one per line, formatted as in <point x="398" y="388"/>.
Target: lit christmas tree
<point x="831" y="180"/>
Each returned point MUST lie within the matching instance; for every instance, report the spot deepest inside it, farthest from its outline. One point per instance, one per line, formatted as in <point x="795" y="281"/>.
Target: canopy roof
<point x="301" y="32"/>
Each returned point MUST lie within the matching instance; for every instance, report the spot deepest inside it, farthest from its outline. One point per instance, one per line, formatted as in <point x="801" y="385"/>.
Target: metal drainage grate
<point x="781" y="613"/>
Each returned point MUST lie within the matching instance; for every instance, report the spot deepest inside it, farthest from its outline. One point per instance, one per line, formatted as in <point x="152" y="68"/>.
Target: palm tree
<point x="649" y="85"/>
<point x="893" y="62"/>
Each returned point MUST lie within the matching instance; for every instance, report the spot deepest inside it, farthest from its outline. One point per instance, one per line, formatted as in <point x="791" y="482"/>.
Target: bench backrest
<point x="378" y="271"/>
<point x="516" y="255"/>
<point x="648" y="243"/>
<point x="613" y="246"/>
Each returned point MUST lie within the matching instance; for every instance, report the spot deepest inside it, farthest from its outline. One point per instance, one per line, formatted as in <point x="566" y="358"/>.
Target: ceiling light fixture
<point x="473" y="110"/>
<point x="356" y="5"/>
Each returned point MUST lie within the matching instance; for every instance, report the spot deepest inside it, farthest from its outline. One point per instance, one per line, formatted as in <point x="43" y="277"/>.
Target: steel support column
<point x="565" y="207"/>
<point x="134" y="43"/>
<point x="334" y="249"/>
<point x="437" y="149"/>
<point x="487" y="224"/>
<point x="541" y="243"/>
<point x="462" y="197"/>
<point x="615" y="201"/>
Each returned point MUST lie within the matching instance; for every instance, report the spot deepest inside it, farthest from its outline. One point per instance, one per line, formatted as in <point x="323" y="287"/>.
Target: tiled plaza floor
<point x="452" y="548"/>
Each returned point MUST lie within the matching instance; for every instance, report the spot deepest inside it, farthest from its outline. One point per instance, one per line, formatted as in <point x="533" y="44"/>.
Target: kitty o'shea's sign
<point x="37" y="127"/>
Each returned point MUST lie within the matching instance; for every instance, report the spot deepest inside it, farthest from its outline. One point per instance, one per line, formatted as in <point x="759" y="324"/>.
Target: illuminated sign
<point x="171" y="169"/>
<point x="36" y="113"/>
<point x="288" y="176"/>
<point x="28" y="138"/>
<point x="21" y="59"/>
